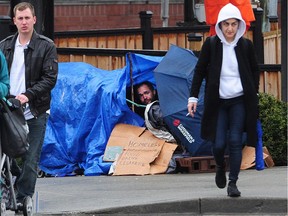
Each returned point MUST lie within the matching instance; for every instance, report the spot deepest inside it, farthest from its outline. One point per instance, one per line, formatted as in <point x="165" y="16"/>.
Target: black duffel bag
<point x="13" y="127"/>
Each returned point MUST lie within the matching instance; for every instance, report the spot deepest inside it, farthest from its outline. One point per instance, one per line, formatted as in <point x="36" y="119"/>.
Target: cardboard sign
<point x="138" y="151"/>
<point x="119" y="138"/>
<point x="161" y="163"/>
<point x="137" y="156"/>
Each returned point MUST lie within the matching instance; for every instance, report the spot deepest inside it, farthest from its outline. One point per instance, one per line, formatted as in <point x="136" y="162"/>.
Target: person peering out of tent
<point x="146" y="92"/>
<point x="147" y="95"/>
<point x="140" y="95"/>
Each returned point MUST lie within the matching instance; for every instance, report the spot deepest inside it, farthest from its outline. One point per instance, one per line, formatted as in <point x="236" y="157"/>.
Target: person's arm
<point x="4" y="78"/>
<point x="199" y="74"/>
<point x="49" y="74"/>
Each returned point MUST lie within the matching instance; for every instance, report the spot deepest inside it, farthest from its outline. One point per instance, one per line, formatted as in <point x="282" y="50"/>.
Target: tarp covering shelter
<point x="87" y="103"/>
<point x="173" y="78"/>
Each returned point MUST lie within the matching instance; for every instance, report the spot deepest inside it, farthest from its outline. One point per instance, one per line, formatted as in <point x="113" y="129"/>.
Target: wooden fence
<point x="270" y="79"/>
<point x="116" y="39"/>
<point x="132" y="39"/>
<point x="111" y="59"/>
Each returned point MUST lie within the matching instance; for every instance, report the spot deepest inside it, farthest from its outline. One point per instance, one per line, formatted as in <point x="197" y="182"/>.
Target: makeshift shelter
<point x="87" y="103"/>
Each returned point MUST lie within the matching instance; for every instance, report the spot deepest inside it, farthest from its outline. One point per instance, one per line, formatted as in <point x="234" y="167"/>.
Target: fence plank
<point x="72" y="42"/>
<point x="90" y="59"/>
<point x="111" y="41"/>
<point x="156" y="39"/>
<point x="138" y="43"/>
<point x="121" y="42"/>
<point x="272" y="83"/>
<point x="62" y="42"/>
<point x="172" y="39"/>
<point x="83" y="42"/>
<point x="130" y="42"/>
<point x="64" y="58"/>
<point x="272" y="47"/>
<point x="92" y="42"/>
<point x="182" y="40"/>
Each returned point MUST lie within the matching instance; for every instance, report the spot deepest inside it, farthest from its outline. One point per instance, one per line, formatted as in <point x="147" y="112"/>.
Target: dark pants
<point x="25" y="184"/>
<point x="230" y="127"/>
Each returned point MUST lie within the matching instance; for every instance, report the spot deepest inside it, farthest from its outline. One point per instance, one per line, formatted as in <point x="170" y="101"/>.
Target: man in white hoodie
<point x="229" y="65"/>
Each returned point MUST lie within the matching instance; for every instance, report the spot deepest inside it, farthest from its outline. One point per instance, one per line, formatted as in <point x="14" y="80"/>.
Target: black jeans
<point x="230" y="128"/>
<point x="25" y="184"/>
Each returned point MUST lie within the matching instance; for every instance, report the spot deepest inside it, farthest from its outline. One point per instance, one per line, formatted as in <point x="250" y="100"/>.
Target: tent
<point x="173" y="79"/>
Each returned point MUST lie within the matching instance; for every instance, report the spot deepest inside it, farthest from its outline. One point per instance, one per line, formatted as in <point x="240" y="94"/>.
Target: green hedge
<point x="273" y="117"/>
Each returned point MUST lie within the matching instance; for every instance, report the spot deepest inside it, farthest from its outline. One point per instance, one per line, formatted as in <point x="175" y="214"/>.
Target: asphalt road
<point x="263" y="193"/>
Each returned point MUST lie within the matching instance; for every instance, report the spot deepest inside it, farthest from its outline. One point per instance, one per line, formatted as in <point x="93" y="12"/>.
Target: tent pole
<point x="131" y="80"/>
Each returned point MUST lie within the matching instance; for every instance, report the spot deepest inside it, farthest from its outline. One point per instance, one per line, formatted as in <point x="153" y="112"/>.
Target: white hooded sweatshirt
<point x="230" y="82"/>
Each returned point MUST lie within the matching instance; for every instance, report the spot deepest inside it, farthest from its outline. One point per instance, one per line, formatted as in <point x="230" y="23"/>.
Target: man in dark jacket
<point x="33" y="68"/>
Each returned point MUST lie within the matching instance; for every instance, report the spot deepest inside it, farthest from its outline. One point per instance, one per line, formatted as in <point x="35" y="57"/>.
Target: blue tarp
<point x="87" y="103"/>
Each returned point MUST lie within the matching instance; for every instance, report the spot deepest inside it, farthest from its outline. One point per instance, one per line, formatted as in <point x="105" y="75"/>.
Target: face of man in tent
<point x="145" y="94"/>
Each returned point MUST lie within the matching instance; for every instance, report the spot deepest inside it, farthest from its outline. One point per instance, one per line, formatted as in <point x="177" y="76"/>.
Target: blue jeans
<point x="25" y="184"/>
<point x="230" y="127"/>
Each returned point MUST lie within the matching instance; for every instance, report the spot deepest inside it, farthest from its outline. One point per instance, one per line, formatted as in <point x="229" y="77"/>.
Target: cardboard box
<point x="138" y="151"/>
<point x="268" y="160"/>
<point x="248" y="157"/>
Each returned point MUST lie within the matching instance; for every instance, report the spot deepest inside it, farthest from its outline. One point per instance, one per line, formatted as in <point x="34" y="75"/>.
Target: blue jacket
<point x="4" y="78"/>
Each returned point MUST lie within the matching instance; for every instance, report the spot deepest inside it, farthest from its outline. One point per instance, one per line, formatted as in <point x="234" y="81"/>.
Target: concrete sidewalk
<point x="263" y="192"/>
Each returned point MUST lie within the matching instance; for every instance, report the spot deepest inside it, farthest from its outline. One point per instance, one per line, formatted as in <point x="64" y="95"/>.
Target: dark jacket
<point x="41" y="69"/>
<point x="209" y="67"/>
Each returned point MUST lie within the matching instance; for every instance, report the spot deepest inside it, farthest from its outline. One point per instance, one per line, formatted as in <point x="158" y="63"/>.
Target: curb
<point x="201" y="206"/>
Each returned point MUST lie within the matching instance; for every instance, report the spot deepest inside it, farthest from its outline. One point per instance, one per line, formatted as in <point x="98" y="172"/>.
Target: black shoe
<point x="20" y="206"/>
<point x="220" y="177"/>
<point x="232" y="190"/>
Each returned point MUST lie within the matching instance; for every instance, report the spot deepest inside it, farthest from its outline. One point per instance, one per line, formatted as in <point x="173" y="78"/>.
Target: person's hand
<point x="22" y="98"/>
<point x="192" y="106"/>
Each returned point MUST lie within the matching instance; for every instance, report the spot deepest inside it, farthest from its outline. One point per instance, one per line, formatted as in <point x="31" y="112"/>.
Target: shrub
<point x="273" y="117"/>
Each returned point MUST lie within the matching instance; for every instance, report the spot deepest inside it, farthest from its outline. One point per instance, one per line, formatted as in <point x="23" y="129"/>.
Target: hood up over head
<point x="229" y="11"/>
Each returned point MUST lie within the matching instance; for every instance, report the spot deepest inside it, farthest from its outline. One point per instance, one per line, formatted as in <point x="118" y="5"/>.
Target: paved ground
<point x="263" y="193"/>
